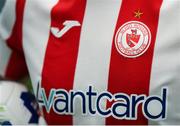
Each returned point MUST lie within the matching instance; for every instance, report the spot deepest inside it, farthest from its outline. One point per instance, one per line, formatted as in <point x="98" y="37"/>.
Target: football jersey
<point x="101" y="62"/>
<point x="12" y="62"/>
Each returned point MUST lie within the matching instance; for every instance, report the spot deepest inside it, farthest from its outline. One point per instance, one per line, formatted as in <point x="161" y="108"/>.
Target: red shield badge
<point x="132" y="39"/>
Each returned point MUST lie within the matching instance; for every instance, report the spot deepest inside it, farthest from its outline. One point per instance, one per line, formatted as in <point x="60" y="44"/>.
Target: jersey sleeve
<point x="12" y="62"/>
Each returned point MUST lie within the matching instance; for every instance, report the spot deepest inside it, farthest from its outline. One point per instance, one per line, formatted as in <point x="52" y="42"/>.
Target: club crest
<point x="132" y="39"/>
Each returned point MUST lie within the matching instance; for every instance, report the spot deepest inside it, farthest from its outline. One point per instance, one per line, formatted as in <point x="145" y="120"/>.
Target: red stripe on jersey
<point x="61" y="53"/>
<point x="15" y="40"/>
<point x="132" y="75"/>
<point x="16" y="67"/>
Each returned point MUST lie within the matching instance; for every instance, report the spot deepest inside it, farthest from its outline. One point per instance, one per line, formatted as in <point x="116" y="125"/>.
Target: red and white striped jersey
<point x="100" y="62"/>
<point x="12" y="62"/>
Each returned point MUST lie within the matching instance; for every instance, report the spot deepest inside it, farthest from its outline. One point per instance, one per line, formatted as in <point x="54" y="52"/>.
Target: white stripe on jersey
<point x="166" y="61"/>
<point x="94" y="53"/>
<point x="5" y="54"/>
<point x="6" y="26"/>
<point x="36" y="29"/>
<point x="7" y="18"/>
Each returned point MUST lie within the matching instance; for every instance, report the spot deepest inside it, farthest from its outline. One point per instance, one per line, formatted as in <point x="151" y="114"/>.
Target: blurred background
<point x="1" y="4"/>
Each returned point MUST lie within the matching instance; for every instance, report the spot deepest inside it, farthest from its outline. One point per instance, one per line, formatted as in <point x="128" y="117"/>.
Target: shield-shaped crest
<point x="132" y="39"/>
